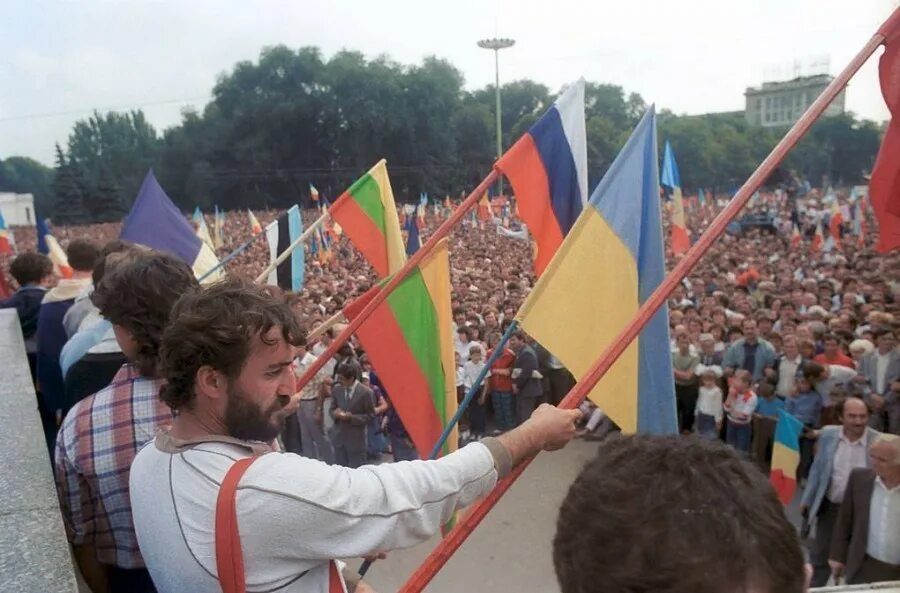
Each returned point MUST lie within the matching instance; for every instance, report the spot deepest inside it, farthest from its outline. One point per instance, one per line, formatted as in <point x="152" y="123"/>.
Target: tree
<point x="68" y="205"/>
<point x="105" y="205"/>
<point x="24" y="175"/>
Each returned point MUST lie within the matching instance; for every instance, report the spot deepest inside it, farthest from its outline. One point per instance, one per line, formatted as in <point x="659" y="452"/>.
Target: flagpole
<point x="229" y="257"/>
<point x="441" y="232"/>
<point x="448" y="545"/>
<point x="290" y="248"/>
<point x="325" y="326"/>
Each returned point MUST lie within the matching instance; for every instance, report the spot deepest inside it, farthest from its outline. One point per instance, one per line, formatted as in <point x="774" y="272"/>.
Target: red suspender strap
<point x="229" y="556"/>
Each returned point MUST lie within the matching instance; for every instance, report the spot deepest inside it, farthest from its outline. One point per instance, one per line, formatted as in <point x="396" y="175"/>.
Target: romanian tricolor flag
<point x="547" y="168"/>
<point x="6" y="238"/>
<point x="609" y="264"/>
<point x="671" y="183"/>
<point x="409" y="340"/>
<point x="255" y="227"/>
<point x="786" y="456"/>
<point x="200" y="227"/>
<point x="49" y="246"/>
<point x="368" y="215"/>
<point x="484" y="208"/>
<point x="156" y="222"/>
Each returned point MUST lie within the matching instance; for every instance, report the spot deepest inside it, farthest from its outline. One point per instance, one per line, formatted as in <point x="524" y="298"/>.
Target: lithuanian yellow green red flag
<point x="409" y="340"/>
<point x="367" y="214"/>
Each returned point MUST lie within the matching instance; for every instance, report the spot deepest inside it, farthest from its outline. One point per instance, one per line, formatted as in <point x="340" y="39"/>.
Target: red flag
<point x="818" y="239"/>
<point x="837" y="220"/>
<point x="884" y="185"/>
<point x="795" y="236"/>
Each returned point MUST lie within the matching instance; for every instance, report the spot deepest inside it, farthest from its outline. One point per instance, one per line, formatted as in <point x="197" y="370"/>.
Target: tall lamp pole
<point x="497" y="44"/>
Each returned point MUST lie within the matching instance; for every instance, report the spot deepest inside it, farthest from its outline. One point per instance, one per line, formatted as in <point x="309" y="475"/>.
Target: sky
<point x="62" y="59"/>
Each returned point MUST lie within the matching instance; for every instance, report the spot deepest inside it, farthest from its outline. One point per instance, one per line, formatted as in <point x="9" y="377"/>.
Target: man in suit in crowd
<point x="352" y="406"/>
<point x="526" y="385"/>
<point x="866" y="543"/>
<point x="840" y="450"/>
<point x="879" y="371"/>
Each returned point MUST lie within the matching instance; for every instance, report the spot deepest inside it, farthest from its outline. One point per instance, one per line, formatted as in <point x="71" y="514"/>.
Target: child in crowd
<point x="471" y="370"/>
<point x="709" y="411"/>
<point x="764" y="420"/>
<point x="805" y="404"/>
<point x="740" y="406"/>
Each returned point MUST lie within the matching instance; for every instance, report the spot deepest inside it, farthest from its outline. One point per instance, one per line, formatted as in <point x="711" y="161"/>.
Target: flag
<point x="859" y="222"/>
<point x="255" y="227"/>
<point x="313" y="193"/>
<point x="409" y="341"/>
<point x="155" y="222"/>
<point x="412" y="236"/>
<point x="200" y="227"/>
<point x="49" y="246"/>
<point x="5" y="290"/>
<point x="609" y="264"/>
<point x="368" y="215"/>
<point x="701" y="198"/>
<point x="671" y="183"/>
<point x="795" y="236"/>
<point x="325" y="253"/>
<point x="785" y="456"/>
<point x="280" y="234"/>
<point x="219" y="227"/>
<point x="420" y="214"/>
<point x="7" y="241"/>
<point x="835" y="223"/>
<point x="818" y="239"/>
<point x="484" y="208"/>
<point x="547" y="168"/>
<point x="884" y="184"/>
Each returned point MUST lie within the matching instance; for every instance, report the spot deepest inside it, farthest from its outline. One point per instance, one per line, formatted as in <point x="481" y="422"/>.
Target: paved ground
<point x="511" y="549"/>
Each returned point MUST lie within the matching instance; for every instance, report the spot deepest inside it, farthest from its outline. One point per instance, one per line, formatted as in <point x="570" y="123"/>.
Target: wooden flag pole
<point x="325" y="326"/>
<point x="290" y="248"/>
<point x="447" y="546"/>
<point x="441" y="232"/>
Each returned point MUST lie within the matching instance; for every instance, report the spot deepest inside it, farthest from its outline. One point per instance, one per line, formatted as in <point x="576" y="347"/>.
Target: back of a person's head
<point x="30" y="268"/>
<point x="137" y="293"/>
<point x="113" y="247"/>
<point x="218" y="327"/>
<point x="82" y="255"/>
<point x="655" y="514"/>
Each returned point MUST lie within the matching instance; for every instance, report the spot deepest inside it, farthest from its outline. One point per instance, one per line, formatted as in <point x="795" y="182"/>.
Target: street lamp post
<point x="497" y="44"/>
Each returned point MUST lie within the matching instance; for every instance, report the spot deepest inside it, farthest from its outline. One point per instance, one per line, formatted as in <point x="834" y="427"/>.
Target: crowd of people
<point x="772" y="319"/>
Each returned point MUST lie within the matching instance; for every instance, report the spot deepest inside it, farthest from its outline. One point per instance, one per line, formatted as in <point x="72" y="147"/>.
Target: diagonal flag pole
<point x="448" y="545"/>
<point x="236" y="252"/>
<point x="441" y="232"/>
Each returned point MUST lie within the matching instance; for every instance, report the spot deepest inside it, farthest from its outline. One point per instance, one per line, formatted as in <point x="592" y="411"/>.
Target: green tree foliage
<point x="24" y="175"/>
<point x="293" y="117"/>
<point x="68" y="184"/>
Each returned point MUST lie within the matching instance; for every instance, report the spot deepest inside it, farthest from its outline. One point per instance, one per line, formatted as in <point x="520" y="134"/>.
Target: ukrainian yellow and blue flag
<point x="609" y="264"/>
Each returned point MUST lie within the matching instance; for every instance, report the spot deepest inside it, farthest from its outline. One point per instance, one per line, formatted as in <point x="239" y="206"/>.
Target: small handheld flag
<point x="786" y="456"/>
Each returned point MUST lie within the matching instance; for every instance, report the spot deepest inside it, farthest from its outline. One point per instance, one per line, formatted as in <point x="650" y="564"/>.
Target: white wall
<point x="17" y="209"/>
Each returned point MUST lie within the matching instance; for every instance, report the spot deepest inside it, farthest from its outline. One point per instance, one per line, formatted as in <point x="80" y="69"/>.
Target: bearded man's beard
<point x="247" y="421"/>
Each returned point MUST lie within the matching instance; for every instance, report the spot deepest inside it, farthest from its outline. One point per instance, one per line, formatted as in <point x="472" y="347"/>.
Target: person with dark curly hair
<point x="102" y="433"/>
<point x="675" y="515"/>
<point x="34" y="274"/>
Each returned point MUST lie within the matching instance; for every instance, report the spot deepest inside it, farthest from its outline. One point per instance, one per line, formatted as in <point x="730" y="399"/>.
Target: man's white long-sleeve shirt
<point x="294" y="513"/>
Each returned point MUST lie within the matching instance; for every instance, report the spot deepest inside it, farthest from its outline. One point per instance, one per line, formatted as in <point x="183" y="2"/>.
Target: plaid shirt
<point x="97" y="443"/>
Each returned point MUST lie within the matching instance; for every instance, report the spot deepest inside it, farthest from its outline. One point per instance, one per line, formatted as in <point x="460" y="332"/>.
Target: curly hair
<point x="138" y="291"/>
<point x="216" y="327"/>
<point x="30" y="268"/>
<point x="674" y="515"/>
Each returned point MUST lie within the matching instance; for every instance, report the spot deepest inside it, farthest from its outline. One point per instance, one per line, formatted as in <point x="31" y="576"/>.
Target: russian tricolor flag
<point x="547" y="168"/>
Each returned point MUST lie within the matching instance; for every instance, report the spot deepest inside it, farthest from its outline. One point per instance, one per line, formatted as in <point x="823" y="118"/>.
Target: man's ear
<point x="211" y="383"/>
